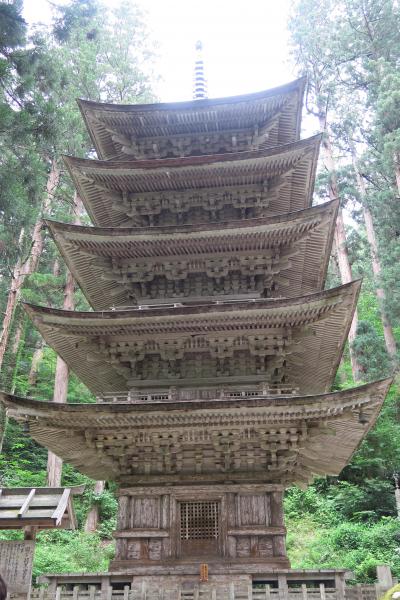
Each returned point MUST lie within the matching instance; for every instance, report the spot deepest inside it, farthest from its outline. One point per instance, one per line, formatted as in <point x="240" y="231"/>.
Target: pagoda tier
<point x="285" y="440"/>
<point x="197" y="189"/>
<point x="221" y="125"/>
<point x="271" y="257"/>
<point x="294" y="343"/>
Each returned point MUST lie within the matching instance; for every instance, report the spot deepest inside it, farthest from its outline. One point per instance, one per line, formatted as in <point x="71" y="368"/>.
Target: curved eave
<point x="75" y="335"/>
<point x="333" y="418"/>
<point x="102" y="183"/>
<point x="306" y="234"/>
<point x="147" y="118"/>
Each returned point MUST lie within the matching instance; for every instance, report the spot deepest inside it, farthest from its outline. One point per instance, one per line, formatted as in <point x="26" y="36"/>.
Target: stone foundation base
<point x="277" y="584"/>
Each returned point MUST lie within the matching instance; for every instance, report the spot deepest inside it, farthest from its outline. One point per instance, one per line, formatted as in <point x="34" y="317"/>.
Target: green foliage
<point x="319" y="537"/>
<point x="59" y="551"/>
<point x="371" y="352"/>
<point x="22" y="462"/>
<point x="366" y="502"/>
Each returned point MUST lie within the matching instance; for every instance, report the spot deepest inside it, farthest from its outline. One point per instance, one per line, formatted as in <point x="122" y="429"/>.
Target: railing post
<point x="267" y="592"/>
<point x="339" y="586"/>
<point x="304" y="591"/>
<point x="75" y="592"/>
<point x="231" y="591"/>
<point x="322" y="591"/>
<point x="143" y="591"/>
<point x="105" y="584"/>
<point x="250" y="590"/>
<point x="282" y="587"/>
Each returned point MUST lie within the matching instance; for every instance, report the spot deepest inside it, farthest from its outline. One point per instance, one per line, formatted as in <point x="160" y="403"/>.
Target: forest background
<point x="350" y="52"/>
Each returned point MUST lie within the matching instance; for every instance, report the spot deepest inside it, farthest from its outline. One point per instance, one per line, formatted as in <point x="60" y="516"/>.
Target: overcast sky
<point x="245" y="43"/>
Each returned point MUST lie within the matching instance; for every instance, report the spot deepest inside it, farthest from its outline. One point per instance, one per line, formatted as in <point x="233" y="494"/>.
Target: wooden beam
<point x="257" y="531"/>
<point x="141" y="533"/>
<point x="26" y="503"/>
<point x="62" y="505"/>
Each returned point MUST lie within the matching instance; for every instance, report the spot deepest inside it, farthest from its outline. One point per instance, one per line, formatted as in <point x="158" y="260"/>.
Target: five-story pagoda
<point x="212" y="347"/>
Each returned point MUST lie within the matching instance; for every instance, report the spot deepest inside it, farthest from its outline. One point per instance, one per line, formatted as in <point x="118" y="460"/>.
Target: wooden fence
<point x="212" y="591"/>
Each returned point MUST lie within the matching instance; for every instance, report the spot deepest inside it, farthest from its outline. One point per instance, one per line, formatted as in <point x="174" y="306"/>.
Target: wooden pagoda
<point x="213" y="346"/>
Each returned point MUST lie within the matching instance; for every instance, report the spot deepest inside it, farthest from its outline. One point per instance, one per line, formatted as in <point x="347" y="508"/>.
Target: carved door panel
<point x="199" y="530"/>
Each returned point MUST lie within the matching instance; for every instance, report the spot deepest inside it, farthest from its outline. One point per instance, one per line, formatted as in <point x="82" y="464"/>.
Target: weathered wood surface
<point x="195" y="190"/>
<point x="265" y="439"/>
<point x="271" y="117"/>
<point x="297" y="342"/>
<point x="229" y="590"/>
<point x="39" y="508"/>
<point x="179" y="525"/>
<point x="16" y="558"/>
<point x="273" y="257"/>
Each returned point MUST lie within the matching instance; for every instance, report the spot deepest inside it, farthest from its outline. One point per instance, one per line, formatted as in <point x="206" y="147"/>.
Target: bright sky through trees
<point x="245" y="43"/>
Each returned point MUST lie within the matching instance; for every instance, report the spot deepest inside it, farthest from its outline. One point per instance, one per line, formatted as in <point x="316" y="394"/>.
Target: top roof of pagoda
<point x="270" y="117"/>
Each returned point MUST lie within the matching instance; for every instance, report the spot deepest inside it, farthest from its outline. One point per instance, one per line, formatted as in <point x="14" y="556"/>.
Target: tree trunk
<point x="397" y="171"/>
<point x="20" y="272"/>
<point x="35" y="362"/>
<point x="376" y="263"/>
<point x="54" y="463"/>
<point x="18" y="334"/>
<point x="29" y="265"/>
<point x="340" y="239"/>
<point x="92" y="519"/>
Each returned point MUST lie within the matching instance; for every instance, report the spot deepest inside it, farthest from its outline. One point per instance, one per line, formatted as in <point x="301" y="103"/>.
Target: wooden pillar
<point x="52" y="587"/>
<point x="277" y="520"/>
<point x="122" y="524"/>
<point x="30" y="533"/>
<point x="105" y="588"/>
<point x="282" y="586"/>
<point x="340" y="586"/>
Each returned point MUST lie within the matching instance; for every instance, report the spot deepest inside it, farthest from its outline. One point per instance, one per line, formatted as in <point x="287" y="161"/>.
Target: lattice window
<point x="199" y="520"/>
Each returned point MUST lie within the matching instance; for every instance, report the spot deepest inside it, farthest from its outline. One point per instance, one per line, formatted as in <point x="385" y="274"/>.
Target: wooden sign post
<point x="16" y="559"/>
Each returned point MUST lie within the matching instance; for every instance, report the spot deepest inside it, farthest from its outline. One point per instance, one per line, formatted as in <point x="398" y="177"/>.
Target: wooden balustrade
<point x="210" y="591"/>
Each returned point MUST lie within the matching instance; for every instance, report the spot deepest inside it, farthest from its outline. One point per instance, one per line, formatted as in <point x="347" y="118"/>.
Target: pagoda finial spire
<point x="200" y="84"/>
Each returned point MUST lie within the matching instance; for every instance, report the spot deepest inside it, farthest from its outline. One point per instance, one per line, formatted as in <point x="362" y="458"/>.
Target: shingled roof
<point x="282" y="440"/>
<point x="40" y="508"/>
<point x="283" y="256"/>
<point x="147" y="192"/>
<point x="270" y="117"/>
<point x="298" y="341"/>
